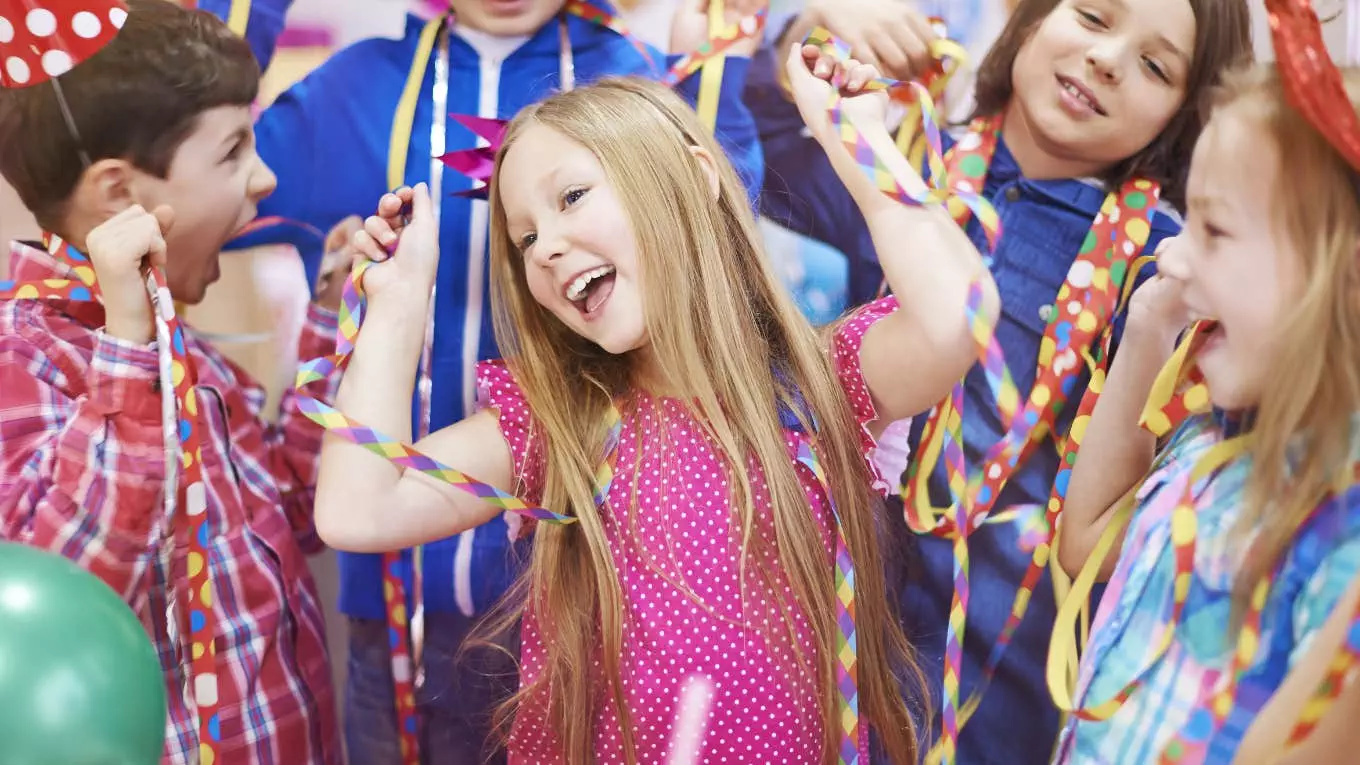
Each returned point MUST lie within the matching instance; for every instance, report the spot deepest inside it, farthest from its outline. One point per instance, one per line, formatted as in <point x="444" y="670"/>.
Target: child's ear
<point x="709" y="167"/>
<point x="105" y="188"/>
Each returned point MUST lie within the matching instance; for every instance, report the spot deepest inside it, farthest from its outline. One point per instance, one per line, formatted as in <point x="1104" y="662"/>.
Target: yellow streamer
<point x="1063" y="652"/>
<point x="239" y="18"/>
<point x="710" y="82"/>
<point x="404" y="121"/>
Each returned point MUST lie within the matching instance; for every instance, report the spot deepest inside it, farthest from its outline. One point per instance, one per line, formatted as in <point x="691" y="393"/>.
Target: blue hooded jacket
<point x="327" y="139"/>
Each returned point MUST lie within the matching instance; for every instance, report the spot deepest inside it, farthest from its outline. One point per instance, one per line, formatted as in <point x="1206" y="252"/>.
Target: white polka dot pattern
<point x="50" y="38"/>
<point x="845" y="355"/>
<point x="689" y="613"/>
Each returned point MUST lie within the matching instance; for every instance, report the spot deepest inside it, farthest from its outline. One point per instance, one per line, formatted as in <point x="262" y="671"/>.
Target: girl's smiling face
<point x="1099" y="80"/>
<point x="1238" y="267"/>
<point x="580" y="252"/>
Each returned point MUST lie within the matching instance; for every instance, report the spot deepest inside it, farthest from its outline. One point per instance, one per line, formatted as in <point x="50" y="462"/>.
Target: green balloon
<point x="79" y="680"/>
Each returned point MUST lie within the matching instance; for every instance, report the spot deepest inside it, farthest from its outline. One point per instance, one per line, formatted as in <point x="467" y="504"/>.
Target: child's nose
<point x="1104" y="59"/>
<point x="262" y="180"/>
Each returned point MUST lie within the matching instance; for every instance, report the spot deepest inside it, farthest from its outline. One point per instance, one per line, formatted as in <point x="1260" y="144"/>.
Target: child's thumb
<point x="165" y="217"/>
<point x="421" y="206"/>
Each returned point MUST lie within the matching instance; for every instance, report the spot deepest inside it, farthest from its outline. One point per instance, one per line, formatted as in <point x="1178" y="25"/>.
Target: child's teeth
<point x="1073" y="90"/>
<point x="578" y="287"/>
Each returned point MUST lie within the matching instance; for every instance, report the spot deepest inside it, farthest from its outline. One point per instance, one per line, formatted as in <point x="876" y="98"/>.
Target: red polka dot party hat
<point x="41" y="40"/>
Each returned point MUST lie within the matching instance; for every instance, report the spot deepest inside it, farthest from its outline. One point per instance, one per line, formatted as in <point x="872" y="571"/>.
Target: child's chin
<point x="617" y="346"/>
<point x="1228" y="391"/>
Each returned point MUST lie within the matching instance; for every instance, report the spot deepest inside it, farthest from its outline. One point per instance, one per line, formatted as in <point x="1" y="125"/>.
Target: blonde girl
<point x="630" y="288"/>
<point x="1258" y="498"/>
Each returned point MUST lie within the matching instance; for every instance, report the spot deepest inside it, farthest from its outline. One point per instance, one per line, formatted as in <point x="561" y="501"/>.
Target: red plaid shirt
<point x="82" y="466"/>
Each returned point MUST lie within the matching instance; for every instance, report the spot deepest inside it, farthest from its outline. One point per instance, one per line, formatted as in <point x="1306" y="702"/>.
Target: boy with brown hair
<point x="145" y="155"/>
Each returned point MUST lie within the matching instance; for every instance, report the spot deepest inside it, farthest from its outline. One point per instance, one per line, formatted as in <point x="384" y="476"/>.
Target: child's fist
<point x="811" y="74"/>
<point x="1158" y="307"/>
<point x="120" y="249"/>
<point x="403" y="240"/>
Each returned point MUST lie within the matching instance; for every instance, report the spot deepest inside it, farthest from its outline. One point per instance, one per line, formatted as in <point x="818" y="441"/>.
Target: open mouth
<point x="1211" y="334"/>
<point x="590" y="290"/>
<point x="1080" y="95"/>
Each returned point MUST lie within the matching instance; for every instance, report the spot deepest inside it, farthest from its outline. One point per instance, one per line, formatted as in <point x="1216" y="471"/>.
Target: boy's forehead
<point x="217" y="128"/>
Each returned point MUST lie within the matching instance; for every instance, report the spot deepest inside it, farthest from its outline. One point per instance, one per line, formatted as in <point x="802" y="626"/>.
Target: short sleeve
<point x="845" y="348"/>
<point x="497" y="389"/>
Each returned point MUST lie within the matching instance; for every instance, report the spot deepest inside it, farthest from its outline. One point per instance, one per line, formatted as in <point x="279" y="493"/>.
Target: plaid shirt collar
<point x="30" y="262"/>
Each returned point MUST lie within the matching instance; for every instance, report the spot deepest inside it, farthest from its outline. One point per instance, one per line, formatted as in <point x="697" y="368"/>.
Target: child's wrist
<point x="1155" y="340"/>
<point x="399" y="304"/>
<point x="138" y="330"/>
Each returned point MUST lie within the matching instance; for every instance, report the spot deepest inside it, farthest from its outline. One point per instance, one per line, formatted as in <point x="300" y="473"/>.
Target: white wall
<point x="1342" y="34"/>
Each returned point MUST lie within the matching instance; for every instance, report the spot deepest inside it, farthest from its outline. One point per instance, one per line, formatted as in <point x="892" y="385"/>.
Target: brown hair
<point x="722" y="328"/>
<point x="1222" y="40"/>
<point x="1304" y="427"/>
<point x="136" y="99"/>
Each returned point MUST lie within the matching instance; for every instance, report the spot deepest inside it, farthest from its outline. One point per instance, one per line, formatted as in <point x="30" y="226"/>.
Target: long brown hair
<point x="1302" y="435"/>
<point x="1222" y="40"/>
<point x="723" y="329"/>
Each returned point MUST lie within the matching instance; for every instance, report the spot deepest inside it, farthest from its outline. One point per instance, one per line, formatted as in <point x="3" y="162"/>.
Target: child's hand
<point x="810" y="73"/>
<point x="1157" y="308"/>
<point x="119" y="249"/>
<point x="689" y="26"/>
<point x="335" y="265"/>
<point x="406" y="249"/>
<point x="892" y="36"/>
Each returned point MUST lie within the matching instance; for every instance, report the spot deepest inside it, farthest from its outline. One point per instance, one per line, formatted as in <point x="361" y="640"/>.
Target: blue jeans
<point x="455" y="702"/>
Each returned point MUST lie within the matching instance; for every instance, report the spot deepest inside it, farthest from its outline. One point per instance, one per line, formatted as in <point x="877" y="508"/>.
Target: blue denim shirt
<point x="1044" y="224"/>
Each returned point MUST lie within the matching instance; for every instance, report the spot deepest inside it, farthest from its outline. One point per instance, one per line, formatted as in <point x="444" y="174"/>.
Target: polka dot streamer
<point x="183" y="429"/>
<point x="1314" y="87"/>
<point x="1076" y="339"/>
<point x="1218" y="704"/>
<point x="44" y="39"/>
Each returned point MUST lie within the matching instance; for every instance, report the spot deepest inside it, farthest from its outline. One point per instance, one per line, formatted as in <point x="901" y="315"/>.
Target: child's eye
<point x="572" y="196"/>
<point x="1091" y="19"/>
<point x="234" y="152"/>
<point x="527" y="241"/>
<point x="1157" y="70"/>
<point x="1214" y="232"/>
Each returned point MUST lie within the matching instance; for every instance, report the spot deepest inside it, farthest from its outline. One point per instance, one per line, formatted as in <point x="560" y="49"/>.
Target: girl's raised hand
<point x="811" y="73"/>
<point x="689" y="25"/>
<point x="403" y="241"/>
<point x="1158" y="308"/>
<point x="892" y="36"/>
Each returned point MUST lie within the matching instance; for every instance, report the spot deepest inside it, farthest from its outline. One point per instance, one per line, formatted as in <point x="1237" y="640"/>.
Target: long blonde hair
<point x="723" y="330"/>
<point x="1313" y="391"/>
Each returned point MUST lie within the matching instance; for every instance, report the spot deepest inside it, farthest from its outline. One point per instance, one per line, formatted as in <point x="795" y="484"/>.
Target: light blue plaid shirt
<point x="1314" y="573"/>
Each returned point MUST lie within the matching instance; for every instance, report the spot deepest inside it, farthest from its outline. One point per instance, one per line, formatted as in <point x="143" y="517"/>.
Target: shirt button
<point x="1046" y="312"/>
<point x="1013" y="194"/>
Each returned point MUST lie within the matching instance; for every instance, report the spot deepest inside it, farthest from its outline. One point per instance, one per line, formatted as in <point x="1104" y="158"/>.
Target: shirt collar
<point x="29" y="262"/>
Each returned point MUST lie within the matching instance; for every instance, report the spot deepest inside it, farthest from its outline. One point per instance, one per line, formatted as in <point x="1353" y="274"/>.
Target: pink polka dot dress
<point x="690" y="615"/>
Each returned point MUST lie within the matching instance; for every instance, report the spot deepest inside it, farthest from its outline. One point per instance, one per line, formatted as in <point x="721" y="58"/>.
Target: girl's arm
<point x="1116" y="452"/>
<point x="911" y="358"/>
<point x="365" y="503"/>
<point x="1337" y="737"/>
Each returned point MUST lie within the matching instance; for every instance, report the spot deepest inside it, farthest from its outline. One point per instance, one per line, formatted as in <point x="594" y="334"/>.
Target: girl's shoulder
<point x="498" y="390"/>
